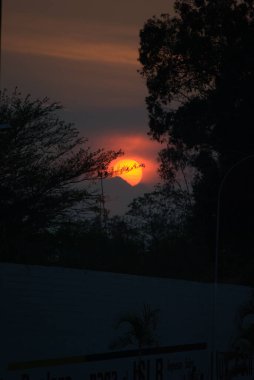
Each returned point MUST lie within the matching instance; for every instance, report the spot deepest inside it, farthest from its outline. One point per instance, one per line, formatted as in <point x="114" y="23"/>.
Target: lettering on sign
<point x="141" y="369"/>
<point x="104" y="376"/>
<point x="187" y="362"/>
<point x="231" y="365"/>
<point x="162" y="368"/>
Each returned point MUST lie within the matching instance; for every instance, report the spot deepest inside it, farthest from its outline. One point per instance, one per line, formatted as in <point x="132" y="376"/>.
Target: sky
<point x="84" y="54"/>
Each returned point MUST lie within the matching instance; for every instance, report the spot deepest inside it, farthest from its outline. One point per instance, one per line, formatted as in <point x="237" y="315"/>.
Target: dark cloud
<point x="132" y="12"/>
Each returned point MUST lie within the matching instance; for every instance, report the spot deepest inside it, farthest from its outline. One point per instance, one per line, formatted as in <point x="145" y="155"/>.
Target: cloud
<point x="72" y="39"/>
<point x="132" y="12"/>
<point x="76" y="84"/>
<point x="84" y="54"/>
<point x="110" y="53"/>
<point x="79" y="30"/>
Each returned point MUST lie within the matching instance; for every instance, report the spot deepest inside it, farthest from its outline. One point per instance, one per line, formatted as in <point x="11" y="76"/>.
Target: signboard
<point x="185" y="362"/>
<point x="234" y="366"/>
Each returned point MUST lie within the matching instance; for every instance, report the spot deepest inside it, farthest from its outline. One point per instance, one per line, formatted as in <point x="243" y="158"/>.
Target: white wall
<point x="54" y="312"/>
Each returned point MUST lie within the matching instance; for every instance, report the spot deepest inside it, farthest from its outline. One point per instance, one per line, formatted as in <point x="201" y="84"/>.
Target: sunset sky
<point x="84" y="54"/>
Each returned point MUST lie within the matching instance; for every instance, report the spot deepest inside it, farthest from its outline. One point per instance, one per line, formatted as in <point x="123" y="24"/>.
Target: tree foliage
<point x="198" y="65"/>
<point x="159" y="217"/>
<point x="47" y="169"/>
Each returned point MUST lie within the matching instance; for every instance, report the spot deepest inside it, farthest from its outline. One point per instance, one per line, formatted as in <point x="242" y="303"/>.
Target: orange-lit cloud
<point x="84" y="54"/>
<point x="110" y="53"/>
<point x="71" y="39"/>
<point x="81" y="60"/>
<point x="77" y="30"/>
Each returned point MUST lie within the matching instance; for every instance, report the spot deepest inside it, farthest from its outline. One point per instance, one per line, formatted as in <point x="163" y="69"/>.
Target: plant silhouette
<point x="141" y="329"/>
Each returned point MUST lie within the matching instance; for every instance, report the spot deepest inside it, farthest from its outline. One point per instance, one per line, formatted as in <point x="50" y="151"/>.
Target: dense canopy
<point x="199" y="70"/>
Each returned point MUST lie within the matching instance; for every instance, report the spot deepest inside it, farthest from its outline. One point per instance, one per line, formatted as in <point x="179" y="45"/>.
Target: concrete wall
<point x="55" y="312"/>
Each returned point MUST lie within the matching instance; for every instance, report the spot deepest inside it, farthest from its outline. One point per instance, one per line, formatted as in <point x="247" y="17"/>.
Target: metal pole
<point x="0" y="44"/>
<point x="102" y="202"/>
<point x="216" y="259"/>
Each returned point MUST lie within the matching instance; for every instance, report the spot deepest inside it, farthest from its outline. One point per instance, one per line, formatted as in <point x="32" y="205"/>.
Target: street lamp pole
<point x="0" y="44"/>
<point x="216" y="259"/>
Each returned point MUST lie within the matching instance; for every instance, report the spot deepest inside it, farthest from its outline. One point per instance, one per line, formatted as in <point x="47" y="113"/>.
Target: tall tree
<point x="46" y="169"/>
<point x="199" y="71"/>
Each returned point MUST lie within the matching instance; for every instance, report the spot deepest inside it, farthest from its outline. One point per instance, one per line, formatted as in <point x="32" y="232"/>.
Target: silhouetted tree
<point x="123" y="235"/>
<point x="159" y="216"/>
<point x="199" y="71"/>
<point x="46" y="169"/>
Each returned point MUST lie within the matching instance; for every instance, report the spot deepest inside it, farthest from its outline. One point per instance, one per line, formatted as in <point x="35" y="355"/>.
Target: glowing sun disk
<point x="129" y="170"/>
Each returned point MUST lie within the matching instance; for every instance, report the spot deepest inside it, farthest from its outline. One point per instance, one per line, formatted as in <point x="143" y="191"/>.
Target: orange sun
<point x="129" y="170"/>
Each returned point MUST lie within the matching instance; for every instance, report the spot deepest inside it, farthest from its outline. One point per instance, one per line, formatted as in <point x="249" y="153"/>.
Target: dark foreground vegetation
<point x="198" y="65"/>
